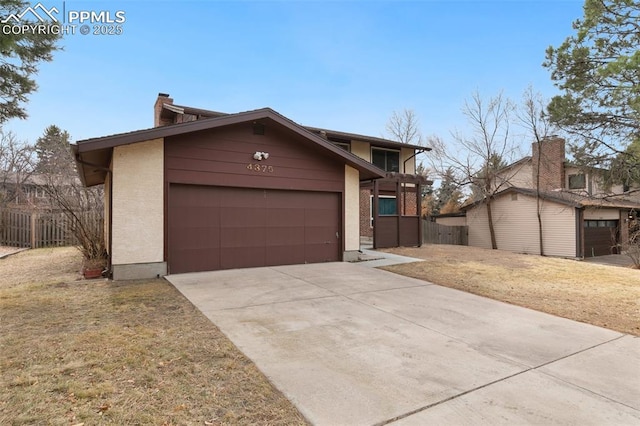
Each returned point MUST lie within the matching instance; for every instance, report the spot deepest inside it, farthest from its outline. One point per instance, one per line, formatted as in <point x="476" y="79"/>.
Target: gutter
<point x="418" y="151"/>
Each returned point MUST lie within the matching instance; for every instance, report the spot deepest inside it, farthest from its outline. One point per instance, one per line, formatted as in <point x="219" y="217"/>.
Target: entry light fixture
<point x="260" y="155"/>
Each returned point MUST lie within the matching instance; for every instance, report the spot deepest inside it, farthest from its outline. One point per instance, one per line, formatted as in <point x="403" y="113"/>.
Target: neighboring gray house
<point x="580" y="217"/>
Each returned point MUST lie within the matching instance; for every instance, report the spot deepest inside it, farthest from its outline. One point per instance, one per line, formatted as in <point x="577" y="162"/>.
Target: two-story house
<point x="20" y="190"/>
<point x="580" y="217"/>
<point x="205" y="190"/>
<point x="28" y="191"/>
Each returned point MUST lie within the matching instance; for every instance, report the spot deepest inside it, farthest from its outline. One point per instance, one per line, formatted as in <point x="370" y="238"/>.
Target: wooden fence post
<point x="33" y="224"/>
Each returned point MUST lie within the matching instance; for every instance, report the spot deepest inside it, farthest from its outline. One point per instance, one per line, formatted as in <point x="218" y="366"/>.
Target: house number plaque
<point x="260" y="168"/>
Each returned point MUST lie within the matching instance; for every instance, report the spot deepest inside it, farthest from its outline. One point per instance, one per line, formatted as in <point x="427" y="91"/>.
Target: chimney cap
<point x="551" y="137"/>
<point x="163" y="95"/>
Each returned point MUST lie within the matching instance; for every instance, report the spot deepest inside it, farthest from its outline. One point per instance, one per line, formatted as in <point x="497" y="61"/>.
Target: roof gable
<point x="566" y="198"/>
<point x="173" y="109"/>
<point x="94" y="155"/>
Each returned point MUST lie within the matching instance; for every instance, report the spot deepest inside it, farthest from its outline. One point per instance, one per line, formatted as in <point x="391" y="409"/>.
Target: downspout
<point x="404" y="191"/>
<point x="404" y="164"/>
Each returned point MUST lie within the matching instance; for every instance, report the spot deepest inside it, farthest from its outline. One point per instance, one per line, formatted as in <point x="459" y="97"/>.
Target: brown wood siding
<point x="386" y="232"/>
<point x="224" y="157"/>
<point x="212" y="228"/>
<point x="397" y="231"/>
<point x="409" y="231"/>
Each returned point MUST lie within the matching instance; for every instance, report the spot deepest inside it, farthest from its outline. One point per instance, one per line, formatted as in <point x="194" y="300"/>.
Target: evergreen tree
<point x="598" y="70"/>
<point x="453" y="204"/>
<point x="20" y="55"/>
<point x="448" y="192"/>
<point x="53" y="155"/>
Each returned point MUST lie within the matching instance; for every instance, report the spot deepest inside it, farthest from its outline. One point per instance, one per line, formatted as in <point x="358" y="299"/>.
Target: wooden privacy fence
<point x="34" y="229"/>
<point x="434" y="233"/>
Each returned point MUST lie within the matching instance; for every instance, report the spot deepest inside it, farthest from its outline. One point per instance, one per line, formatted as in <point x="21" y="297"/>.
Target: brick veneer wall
<point x="410" y="206"/>
<point x="365" y="213"/>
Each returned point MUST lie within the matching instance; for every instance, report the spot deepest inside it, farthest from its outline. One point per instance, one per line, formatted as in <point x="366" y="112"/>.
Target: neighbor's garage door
<point x="213" y="228"/>
<point x="600" y="237"/>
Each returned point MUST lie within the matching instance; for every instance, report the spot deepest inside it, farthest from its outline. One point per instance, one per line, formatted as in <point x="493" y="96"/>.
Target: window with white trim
<point x="386" y="159"/>
<point x="577" y="181"/>
<point x="387" y="206"/>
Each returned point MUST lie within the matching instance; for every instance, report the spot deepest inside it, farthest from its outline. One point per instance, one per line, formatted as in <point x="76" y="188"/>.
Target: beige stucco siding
<point x="361" y="149"/>
<point x="352" y="209"/>
<point x="138" y="203"/>
<point x="601" y="214"/>
<point x="516" y="226"/>
<point x="410" y="166"/>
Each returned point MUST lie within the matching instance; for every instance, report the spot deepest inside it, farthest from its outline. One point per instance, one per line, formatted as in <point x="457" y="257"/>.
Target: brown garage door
<point x="600" y="237"/>
<point x="213" y="228"/>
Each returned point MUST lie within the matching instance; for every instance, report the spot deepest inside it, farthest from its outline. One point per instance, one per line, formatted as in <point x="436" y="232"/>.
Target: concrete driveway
<point x="351" y="345"/>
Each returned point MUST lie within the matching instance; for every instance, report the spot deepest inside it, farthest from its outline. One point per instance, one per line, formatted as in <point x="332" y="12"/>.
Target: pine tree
<point x="447" y="192"/>
<point x="53" y="155"/>
<point x="20" y="55"/>
<point x="598" y="71"/>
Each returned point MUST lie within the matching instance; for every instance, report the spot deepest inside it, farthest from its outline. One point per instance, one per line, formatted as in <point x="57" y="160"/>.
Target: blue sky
<point x="340" y="65"/>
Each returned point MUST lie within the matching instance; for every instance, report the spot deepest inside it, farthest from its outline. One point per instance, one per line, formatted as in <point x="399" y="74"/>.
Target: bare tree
<point x="15" y="167"/>
<point x="405" y="127"/>
<point x="632" y="247"/>
<point x="531" y="115"/>
<point x="477" y="159"/>
<point x="84" y="210"/>
<point x="83" y="207"/>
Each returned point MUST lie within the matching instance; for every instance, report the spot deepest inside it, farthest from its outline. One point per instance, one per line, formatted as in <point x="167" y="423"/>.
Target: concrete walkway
<point x="375" y="259"/>
<point x="611" y="259"/>
<point x="351" y="345"/>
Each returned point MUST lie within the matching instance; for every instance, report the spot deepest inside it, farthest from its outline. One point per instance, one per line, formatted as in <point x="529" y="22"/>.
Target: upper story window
<point x="388" y="160"/>
<point x="577" y="181"/>
<point x="341" y="143"/>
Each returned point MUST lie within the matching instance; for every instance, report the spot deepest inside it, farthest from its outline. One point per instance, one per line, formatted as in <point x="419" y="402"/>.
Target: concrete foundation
<point x="138" y="271"/>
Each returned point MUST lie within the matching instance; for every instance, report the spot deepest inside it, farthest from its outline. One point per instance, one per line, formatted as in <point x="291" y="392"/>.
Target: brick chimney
<point x="158" y="120"/>
<point x="550" y="151"/>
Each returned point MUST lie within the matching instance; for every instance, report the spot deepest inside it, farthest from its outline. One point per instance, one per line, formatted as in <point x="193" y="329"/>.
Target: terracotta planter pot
<point x="90" y="273"/>
<point x="92" y="268"/>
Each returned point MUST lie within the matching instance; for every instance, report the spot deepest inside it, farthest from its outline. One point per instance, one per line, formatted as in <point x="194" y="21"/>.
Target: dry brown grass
<point x="98" y="352"/>
<point x="606" y="296"/>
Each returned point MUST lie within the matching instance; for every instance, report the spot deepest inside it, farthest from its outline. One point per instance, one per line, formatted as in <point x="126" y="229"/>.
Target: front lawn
<point x="101" y="352"/>
<point x="606" y="296"/>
